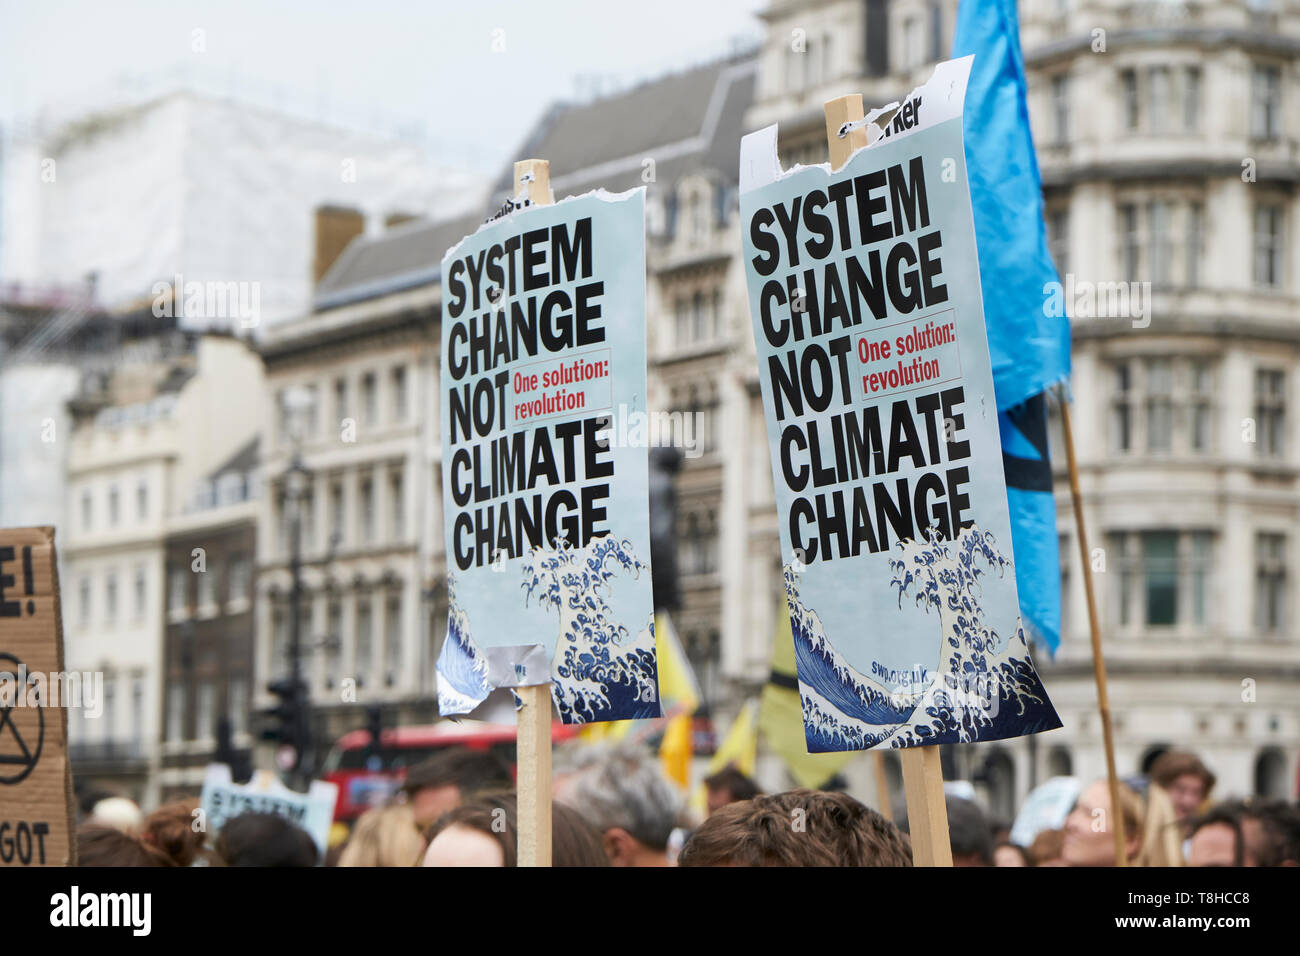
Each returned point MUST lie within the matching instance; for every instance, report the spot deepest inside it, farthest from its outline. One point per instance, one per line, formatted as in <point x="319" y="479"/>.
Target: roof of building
<point x="686" y="122"/>
<point x="241" y="462"/>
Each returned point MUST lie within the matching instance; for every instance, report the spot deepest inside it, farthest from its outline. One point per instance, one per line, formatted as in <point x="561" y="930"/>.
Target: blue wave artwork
<point x="985" y="687"/>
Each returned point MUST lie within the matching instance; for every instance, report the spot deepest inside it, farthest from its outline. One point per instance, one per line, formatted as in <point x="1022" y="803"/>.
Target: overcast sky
<point x="428" y="61"/>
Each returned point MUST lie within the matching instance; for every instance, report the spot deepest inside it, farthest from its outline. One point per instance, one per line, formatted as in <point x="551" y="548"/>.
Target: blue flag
<point x="1030" y="349"/>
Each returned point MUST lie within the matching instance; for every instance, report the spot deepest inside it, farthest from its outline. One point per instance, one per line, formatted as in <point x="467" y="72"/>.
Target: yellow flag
<point x="781" y="716"/>
<point x="738" y="747"/>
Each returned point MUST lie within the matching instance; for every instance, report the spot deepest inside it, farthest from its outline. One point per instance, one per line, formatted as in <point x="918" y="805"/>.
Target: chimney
<point x="336" y="226"/>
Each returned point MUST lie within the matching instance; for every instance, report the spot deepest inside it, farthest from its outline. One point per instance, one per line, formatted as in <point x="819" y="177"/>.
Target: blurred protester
<point x="99" y="845"/>
<point x="1047" y="848"/>
<point x="729" y="785"/>
<point x="796" y="828"/>
<point x="1150" y="833"/>
<point x="171" y="830"/>
<point x="1238" y="833"/>
<point x="451" y="776"/>
<point x="384" y="836"/>
<point x="1186" y="779"/>
<point x="1010" y="854"/>
<point x="623" y="793"/>
<point x="969" y="833"/>
<point x="1001" y="833"/>
<point x="485" y="832"/>
<point x="120" y="813"/>
<point x="265" y="839"/>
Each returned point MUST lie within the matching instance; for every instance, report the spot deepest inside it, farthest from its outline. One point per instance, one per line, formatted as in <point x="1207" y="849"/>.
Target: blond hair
<point x="1161" y="833"/>
<point x="386" y="836"/>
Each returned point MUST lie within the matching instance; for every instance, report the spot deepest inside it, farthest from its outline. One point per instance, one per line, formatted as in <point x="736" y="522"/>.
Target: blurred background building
<point x="1168" y="136"/>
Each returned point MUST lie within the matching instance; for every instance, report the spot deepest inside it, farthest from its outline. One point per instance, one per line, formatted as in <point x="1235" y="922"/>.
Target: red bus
<point x="367" y="779"/>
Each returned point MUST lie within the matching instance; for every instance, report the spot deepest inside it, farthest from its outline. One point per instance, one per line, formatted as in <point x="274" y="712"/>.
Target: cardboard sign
<point x="222" y="800"/>
<point x="868" y="323"/>
<point x="37" y="823"/>
<point x="544" y="499"/>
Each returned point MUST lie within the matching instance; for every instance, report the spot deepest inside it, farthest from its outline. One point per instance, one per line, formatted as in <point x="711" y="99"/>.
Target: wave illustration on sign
<point x="462" y="670"/>
<point x="985" y="687"/>
<point x="599" y="667"/>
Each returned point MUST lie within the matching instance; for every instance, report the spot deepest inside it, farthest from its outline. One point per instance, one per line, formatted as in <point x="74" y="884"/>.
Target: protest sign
<point x="222" y="800"/>
<point x="877" y="389"/>
<point x="546" y="522"/>
<point x="36" y="811"/>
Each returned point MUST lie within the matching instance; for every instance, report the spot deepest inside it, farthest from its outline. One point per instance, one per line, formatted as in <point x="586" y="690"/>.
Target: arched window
<point x="1270" y="774"/>
<point x="1060" y="763"/>
<point x="1000" y="777"/>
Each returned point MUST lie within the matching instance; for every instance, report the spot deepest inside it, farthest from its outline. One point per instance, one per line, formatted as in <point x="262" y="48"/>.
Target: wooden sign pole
<point x="1098" y="662"/>
<point x="927" y="814"/>
<point x="533" y="784"/>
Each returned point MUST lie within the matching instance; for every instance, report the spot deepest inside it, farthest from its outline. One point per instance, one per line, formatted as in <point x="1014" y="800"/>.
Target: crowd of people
<point x="614" y="807"/>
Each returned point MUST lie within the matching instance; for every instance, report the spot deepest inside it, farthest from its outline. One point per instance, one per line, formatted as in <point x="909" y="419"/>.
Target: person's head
<point x="727" y="786"/>
<point x="384" y="836"/>
<point x="1258" y="833"/>
<point x="265" y="839"/>
<point x="120" y="813"/>
<point x="623" y="793"/>
<point x="969" y="833"/>
<point x="1089" y="840"/>
<point x="447" y="779"/>
<point x="1010" y="854"/>
<point x="1186" y="779"/>
<point x="485" y="832"/>
<point x="796" y="828"/>
<point x="1047" y="848"/>
<point x="99" y="845"/>
<point x="171" y="829"/>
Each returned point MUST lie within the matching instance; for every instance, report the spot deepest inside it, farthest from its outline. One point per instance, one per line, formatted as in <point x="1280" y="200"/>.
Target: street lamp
<point x="299" y="405"/>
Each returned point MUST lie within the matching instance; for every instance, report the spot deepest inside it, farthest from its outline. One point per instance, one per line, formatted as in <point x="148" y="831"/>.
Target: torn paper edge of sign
<point x="508" y="666"/>
<point x="604" y="195"/>
<point x="945" y="97"/>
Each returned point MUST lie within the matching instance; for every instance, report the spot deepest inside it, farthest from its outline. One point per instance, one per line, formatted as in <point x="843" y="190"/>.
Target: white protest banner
<point x="545" y="508"/>
<point x="868" y="323"/>
<point x="222" y="800"/>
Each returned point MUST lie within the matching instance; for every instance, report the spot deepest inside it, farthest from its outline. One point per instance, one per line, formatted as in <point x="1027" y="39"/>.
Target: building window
<point x="333" y="641"/>
<point x="110" y="708"/>
<point x="683" y="323"/>
<point x="278" y="665"/>
<point x="177" y="584"/>
<point x="207" y="599"/>
<point x="1270" y="413"/>
<point x="239" y="577"/>
<point x="367" y="509"/>
<point x="142" y="501"/>
<point x="397" y="504"/>
<point x="1162" y="578"/>
<point x="341" y="399"/>
<point x="1265" y="102"/>
<point x="1195" y="242"/>
<point x="307" y="519"/>
<point x="337" y="513"/>
<point x="1159" y="98"/>
<point x="393" y="638"/>
<point x="1061" y="108"/>
<point x="113" y="511"/>
<point x="364" y="645"/>
<point x="369" y="399"/>
<point x="1129" y="82"/>
<point x="141" y="593"/>
<point x="110" y="598"/>
<point x="237" y="705"/>
<point x="1058" y="239"/>
<point x="1163" y="406"/>
<point x="206" y="718"/>
<point x="1270" y="584"/>
<point x="1130" y="242"/>
<point x="1161" y="243"/>
<point x="83" y="600"/>
<point x="1268" y="246"/>
<point x="698" y="547"/>
<point x="87" y="511"/>
<point x="1191" y="98"/>
<point x="399" y="393"/>
<point x="176" y="712"/>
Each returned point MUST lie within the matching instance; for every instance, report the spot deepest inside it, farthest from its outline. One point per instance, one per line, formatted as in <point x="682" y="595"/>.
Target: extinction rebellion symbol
<point x="20" y="740"/>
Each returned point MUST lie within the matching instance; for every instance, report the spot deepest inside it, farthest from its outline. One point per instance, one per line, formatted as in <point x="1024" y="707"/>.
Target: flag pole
<point x="1098" y="662"/>
<point x="533" y="736"/>
<point x="927" y="813"/>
